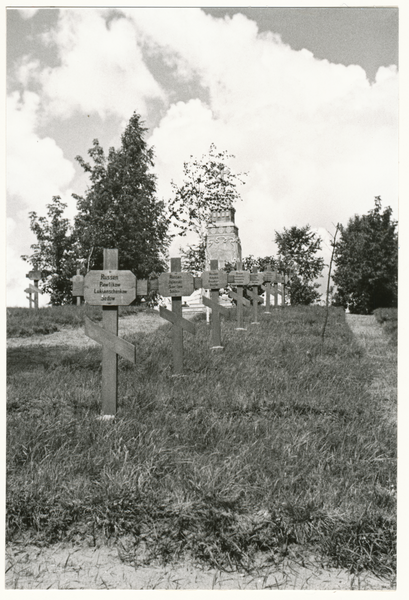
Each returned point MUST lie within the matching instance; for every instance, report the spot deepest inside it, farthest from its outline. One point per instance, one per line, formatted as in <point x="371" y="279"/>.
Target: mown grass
<point x="269" y="447"/>
<point x="25" y="322"/>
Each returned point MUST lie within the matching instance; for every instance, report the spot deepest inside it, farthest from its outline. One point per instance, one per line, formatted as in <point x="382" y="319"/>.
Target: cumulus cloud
<point x="102" y="68"/>
<point x="319" y="141"/>
<point x="27" y="13"/>
<point x="36" y="167"/>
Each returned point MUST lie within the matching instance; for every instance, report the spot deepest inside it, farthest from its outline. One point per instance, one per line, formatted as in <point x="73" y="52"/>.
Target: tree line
<point x="120" y="209"/>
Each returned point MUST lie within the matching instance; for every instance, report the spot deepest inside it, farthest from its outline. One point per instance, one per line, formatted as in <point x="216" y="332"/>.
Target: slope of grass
<point x="271" y="446"/>
<point x="25" y="322"/>
<point x="388" y="318"/>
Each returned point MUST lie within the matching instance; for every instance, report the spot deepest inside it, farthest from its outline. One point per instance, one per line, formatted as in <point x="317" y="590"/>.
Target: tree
<point x="366" y="261"/>
<point x="209" y="184"/>
<point x="297" y="249"/>
<point x="120" y="209"/>
<point x="56" y="253"/>
<point x="194" y="258"/>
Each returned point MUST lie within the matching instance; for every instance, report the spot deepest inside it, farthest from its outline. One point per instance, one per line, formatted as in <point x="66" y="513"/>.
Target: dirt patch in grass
<point x="105" y="567"/>
<point x="369" y="334"/>
<point x="75" y="336"/>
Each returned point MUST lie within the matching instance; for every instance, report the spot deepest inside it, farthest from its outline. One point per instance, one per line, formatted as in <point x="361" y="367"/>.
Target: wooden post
<point x="109" y="356"/>
<point x="214" y="297"/>
<point x="30" y="300"/>
<point x="177" y="332"/>
<point x="255" y="300"/>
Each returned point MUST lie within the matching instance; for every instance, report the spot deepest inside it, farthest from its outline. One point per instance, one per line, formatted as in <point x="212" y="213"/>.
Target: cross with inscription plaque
<point x="110" y="288"/>
<point x="239" y="279"/>
<point x="214" y="280"/>
<point x="176" y="284"/>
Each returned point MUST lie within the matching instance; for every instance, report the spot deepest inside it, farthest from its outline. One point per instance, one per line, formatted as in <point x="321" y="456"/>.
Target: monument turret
<point x="222" y="239"/>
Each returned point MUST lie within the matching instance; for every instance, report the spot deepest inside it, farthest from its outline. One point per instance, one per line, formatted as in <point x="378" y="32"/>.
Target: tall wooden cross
<point x="35" y="276"/>
<point x="256" y="279"/>
<point x="78" y="286"/>
<point x="110" y="288"/>
<point x="239" y="279"/>
<point x="176" y="284"/>
<point x="214" y="280"/>
<point x="268" y="277"/>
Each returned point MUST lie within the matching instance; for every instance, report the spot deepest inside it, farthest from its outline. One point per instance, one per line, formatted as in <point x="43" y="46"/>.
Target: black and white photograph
<point x="203" y="233"/>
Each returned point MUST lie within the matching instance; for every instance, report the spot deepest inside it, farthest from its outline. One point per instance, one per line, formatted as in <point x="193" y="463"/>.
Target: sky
<point x="306" y="99"/>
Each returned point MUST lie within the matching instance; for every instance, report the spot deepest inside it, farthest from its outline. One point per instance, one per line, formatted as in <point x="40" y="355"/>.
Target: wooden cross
<point x="214" y="280"/>
<point x="268" y="277"/>
<point x="78" y="286"/>
<point x="176" y="284"/>
<point x="256" y="279"/>
<point x="239" y="278"/>
<point x="110" y="288"/>
<point x="35" y="276"/>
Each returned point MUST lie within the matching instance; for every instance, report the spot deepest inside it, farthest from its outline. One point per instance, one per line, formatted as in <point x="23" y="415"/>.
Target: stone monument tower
<point x="222" y="240"/>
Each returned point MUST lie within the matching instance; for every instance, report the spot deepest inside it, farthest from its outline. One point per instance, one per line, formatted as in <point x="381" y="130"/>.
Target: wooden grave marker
<point x="78" y="286"/>
<point x="176" y="284"/>
<point x="256" y="279"/>
<point x="268" y="278"/>
<point x="239" y="278"/>
<point x="35" y="277"/>
<point x="110" y="288"/>
<point x="214" y="280"/>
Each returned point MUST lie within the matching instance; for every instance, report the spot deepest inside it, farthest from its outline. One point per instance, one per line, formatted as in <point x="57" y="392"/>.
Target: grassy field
<point x="25" y="322"/>
<point x="268" y="448"/>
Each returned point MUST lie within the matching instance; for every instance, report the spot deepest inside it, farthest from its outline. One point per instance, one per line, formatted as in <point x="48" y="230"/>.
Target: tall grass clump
<point x="272" y="446"/>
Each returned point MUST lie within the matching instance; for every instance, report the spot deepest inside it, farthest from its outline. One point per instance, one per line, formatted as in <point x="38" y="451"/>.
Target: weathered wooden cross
<point x="176" y="284"/>
<point x="78" y="286"/>
<point x="256" y="279"/>
<point x="268" y="278"/>
<point x="214" y="280"/>
<point x="110" y="288"/>
<point x="239" y="279"/>
<point x="35" y="276"/>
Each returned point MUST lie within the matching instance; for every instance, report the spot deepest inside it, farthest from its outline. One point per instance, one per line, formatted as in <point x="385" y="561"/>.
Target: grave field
<point x="273" y="447"/>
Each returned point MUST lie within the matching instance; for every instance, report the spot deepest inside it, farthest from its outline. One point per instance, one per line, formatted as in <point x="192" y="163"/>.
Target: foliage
<point x="261" y="263"/>
<point x="194" y="258"/>
<point x="209" y="184"/>
<point x="297" y="249"/>
<point x="366" y="259"/>
<point x="55" y="253"/>
<point x="218" y="474"/>
<point x="119" y="209"/>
